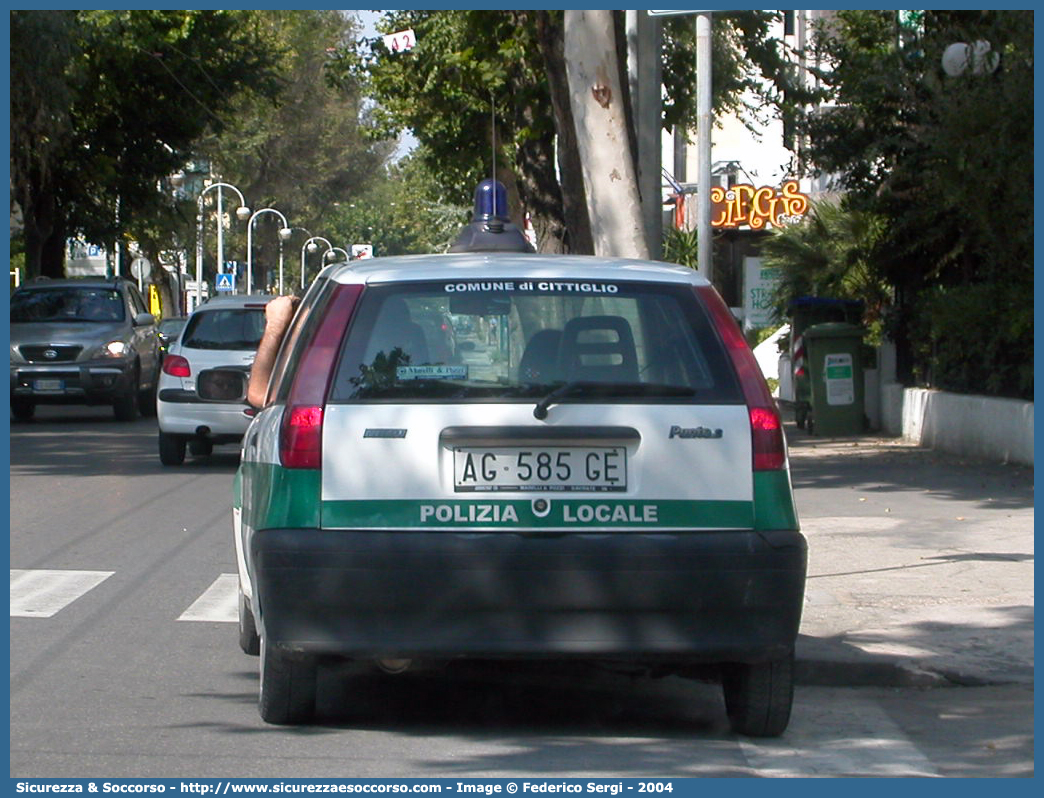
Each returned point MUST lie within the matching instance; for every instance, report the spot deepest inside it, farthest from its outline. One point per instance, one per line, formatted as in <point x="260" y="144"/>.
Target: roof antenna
<point x="493" y="142"/>
<point x="490" y="229"/>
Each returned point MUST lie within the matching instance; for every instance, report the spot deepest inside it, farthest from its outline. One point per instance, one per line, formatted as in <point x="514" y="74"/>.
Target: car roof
<point x="75" y="282"/>
<point x="487" y="265"/>
<point x="237" y="301"/>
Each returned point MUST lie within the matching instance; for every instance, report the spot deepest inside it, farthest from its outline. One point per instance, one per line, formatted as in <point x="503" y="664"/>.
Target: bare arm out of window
<point x="278" y="314"/>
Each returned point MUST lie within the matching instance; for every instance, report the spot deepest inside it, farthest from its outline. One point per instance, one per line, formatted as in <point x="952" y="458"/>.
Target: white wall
<point x="977" y="426"/>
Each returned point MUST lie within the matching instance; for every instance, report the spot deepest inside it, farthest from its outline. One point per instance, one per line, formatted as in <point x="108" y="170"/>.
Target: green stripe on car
<point x="527" y="514"/>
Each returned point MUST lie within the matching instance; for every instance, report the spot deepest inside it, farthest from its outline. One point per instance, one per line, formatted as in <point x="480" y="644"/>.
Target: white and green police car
<point x="587" y="463"/>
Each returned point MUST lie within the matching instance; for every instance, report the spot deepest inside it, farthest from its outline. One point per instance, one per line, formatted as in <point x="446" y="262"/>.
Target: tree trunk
<point x="535" y="163"/>
<point x="52" y="254"/>
<point x="574" y="199"/>
<point x="39" y="212"/>
<point x="596" y="99"/>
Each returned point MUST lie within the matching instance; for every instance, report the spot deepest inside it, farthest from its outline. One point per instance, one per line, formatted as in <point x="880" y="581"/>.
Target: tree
<point x="599" y="113"/>
<point x="403" y="212"/>
<point x="42" y="86"/>
<point x="924" y="150"/>
<point x="309" y="150"/>
<point x="831" y="253"/>
<point x="470" y="69"/>
<point x="139" y="87"/>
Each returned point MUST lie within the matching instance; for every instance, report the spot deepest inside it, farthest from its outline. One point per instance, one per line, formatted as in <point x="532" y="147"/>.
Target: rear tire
<point x="171" y="449"/>
<point x="758" y="697"/>
<point x="22" y="410"/>
<point x="287" y="686"/>
<point x="248" y="637"/>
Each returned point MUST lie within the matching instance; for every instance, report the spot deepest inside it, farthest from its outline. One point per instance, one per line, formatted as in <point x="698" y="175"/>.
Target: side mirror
<point x="144" y="319"/>
<point x="227" y="385"/>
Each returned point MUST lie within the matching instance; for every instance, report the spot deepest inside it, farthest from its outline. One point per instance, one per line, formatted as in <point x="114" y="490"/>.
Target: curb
<point x="819" y="663"/>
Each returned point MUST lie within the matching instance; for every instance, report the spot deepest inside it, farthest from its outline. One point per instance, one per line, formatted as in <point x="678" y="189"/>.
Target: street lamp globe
<point x="312" y="248"/>
<point x="285" y="233"/>
<point x="242" y="213"/>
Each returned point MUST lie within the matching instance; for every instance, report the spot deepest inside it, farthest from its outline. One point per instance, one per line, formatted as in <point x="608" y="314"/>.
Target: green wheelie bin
<point x="835" y="370"/>
<point x="805" y="312"/>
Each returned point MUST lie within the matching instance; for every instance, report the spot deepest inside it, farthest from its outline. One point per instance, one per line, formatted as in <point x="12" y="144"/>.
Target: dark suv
<point x="83" y="341"/>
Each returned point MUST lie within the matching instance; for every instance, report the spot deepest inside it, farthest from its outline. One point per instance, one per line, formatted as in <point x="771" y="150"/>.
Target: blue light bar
<point x="490" y="200"/>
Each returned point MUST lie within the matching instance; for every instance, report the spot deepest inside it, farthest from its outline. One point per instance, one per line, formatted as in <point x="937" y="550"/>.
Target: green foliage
<point x="946" y="161"/>
<point x="752" y="76"/>
<point x="307" y="153"/>
<point x="312" y="147"/>
<point x="131" y="92"/>
<point x="681" y="246"/>
<point x="445" y="89"/>
<point x="977" y="339"/>
<point x="831" y="253"/>
<point x="402" y="213"/>
<point x="473" y="71"/>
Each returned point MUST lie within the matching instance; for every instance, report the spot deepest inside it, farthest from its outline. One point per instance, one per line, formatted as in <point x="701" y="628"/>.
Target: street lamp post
<point x="339" y="249"/>
<point x="311" y="246"/>
<point x="306" y="231"/>
<point x="284" y="235"/>
<point x="242" y="212"/>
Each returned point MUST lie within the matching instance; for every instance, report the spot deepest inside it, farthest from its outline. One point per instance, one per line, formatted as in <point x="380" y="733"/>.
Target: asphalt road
<point x="124" y="663"/>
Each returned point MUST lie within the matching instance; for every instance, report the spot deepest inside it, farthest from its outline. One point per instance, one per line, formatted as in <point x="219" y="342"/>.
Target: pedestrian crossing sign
<point x="225" y="282"/>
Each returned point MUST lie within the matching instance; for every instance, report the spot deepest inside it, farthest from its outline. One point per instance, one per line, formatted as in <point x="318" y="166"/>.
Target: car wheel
<point x="126" y="407"/>
<point x="287" y="686"/>
<point x="22" y="410"/>
<point x="758" y="697"/>
<point x="171" y="449"/>
<point x="248" y="638"/>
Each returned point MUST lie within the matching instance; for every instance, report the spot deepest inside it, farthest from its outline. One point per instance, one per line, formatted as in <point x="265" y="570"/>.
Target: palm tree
<point x="830" y="253"/>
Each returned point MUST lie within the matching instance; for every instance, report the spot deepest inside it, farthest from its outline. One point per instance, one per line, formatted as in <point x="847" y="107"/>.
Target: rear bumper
<point x="697" y="597"/>
<point x="95" y="382"/>
<point x="183" y="413"/>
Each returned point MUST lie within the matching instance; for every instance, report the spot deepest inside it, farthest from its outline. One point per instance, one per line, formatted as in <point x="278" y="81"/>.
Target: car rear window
<point x="67" y="304"/>
<point x="519" y="339"/>
<point x="227" y="328"/>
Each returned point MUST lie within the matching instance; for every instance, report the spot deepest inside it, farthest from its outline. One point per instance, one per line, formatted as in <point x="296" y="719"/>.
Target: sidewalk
<point x="920" y="565"/>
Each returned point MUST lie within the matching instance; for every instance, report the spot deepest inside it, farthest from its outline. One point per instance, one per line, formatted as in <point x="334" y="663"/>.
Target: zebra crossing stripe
<point x="42" y="593"/>
<point x="219" y="602"/>
<point x="872" y="743"/>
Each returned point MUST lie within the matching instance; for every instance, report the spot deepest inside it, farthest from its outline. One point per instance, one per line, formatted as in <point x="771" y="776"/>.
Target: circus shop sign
<point x="742" y="205"/>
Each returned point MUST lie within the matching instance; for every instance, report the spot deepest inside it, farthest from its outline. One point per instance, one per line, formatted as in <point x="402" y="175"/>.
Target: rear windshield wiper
<point x="583" y="388"/>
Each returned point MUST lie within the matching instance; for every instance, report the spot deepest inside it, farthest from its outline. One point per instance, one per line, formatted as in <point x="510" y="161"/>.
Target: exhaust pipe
<point x="394" y="665"/>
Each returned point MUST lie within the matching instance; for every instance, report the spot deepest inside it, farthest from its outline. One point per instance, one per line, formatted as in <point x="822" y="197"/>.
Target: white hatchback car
<point x="594" y="467"/>
<point x="221" y="334"/>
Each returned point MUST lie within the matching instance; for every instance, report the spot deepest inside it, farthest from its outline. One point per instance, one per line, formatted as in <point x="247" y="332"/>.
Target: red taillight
<point x="766" y="428"/>
<point x="766" y="432"/>
<point x="176" y="366"/>
<point x="301" y="436"/>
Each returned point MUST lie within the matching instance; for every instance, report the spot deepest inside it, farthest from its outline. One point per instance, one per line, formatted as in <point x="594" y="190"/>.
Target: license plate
<point x="47" y="385"/>
<point x="540" y="468"/>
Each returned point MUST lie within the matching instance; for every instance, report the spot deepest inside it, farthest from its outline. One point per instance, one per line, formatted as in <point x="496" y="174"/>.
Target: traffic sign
<point x="225" y="282"/>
